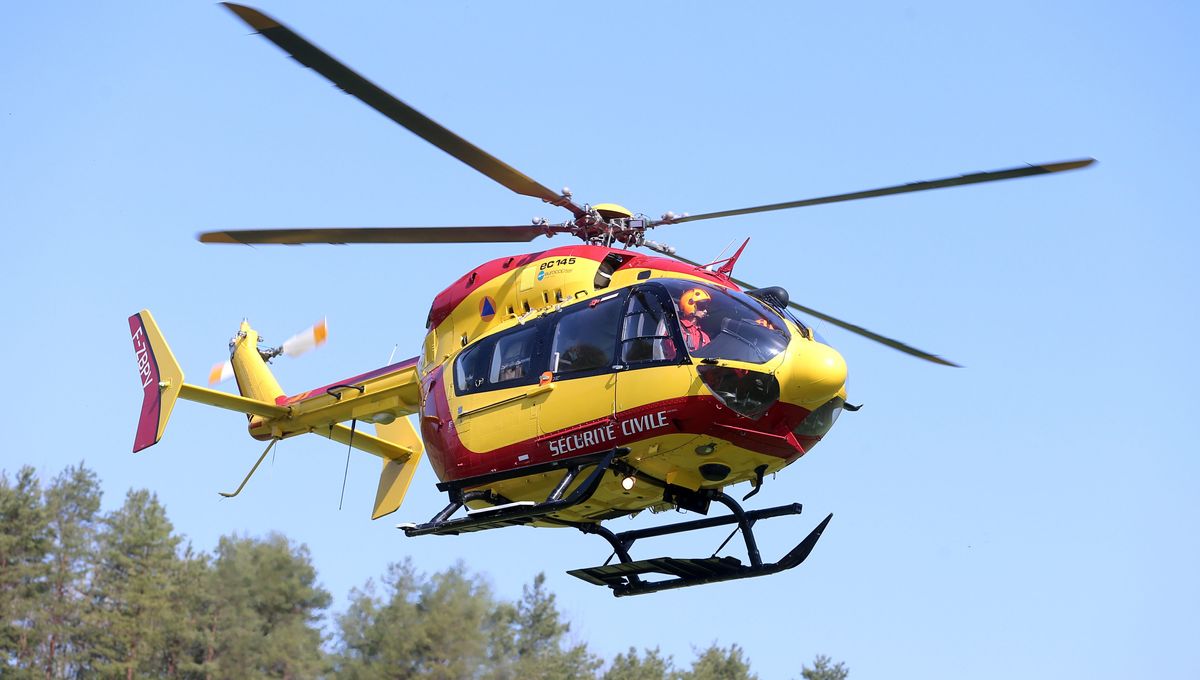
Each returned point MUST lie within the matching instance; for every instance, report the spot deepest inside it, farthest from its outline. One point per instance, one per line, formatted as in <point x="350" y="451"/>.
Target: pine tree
<point x="630" y="667"/>
<point x="376" y="632"/>
<point x="540" y="633"/>
<point x="716" y="663"/>
<point x="824" y="669"/>
<point x="264" y="612"/>
<point x="24" y="540"/>
<point x="72" y="505"/>
<point x="131" y="595"/>
<point x="418" y="628"/>
<point x="185" y="638"/>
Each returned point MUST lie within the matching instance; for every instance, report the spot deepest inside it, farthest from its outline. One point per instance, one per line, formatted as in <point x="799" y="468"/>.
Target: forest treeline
<point x="88" y="594"/>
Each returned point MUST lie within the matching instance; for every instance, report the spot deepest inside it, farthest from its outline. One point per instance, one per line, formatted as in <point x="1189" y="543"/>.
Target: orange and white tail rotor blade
<point x="306" y="340"/>
<point x="220" y="373"/>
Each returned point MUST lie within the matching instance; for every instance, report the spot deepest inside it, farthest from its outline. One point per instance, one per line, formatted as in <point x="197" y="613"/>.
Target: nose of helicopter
<point x="816" y="373"/>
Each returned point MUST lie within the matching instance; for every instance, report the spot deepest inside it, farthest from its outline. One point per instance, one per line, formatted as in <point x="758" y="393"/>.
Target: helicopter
<point x="564" y="387"/>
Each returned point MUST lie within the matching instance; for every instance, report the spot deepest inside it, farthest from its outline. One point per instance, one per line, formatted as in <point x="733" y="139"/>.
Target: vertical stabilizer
<point x="396" y="475"/>
<point x="161" y="378"/>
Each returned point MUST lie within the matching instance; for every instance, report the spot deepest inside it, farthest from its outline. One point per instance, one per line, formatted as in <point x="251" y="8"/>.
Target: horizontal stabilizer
<point x="365" y="442"/>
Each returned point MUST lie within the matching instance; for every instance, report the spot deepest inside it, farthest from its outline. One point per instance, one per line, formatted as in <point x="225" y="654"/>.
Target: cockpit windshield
<point x="723" y="324"/>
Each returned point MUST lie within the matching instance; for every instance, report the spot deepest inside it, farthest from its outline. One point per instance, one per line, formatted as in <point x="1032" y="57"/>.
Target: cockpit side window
<point x="720" y="323"/>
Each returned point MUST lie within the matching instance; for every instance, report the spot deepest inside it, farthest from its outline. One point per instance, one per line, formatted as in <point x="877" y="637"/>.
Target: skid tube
<point x="506" y="513"/>
<point x="625" y="576"/>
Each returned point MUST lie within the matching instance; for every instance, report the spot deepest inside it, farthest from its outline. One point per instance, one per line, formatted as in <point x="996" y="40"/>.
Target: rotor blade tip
<point x="1069" y="165"/>
<point x="256" y="19"/>
<point x="216" y="237"/>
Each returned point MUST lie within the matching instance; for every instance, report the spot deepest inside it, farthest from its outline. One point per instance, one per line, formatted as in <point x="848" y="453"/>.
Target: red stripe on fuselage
<point x="697" y="415"/>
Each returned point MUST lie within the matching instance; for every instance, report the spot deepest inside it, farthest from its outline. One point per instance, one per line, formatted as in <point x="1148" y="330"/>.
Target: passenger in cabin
<point x="515" y="357"/>
<point x="693" y="307"/>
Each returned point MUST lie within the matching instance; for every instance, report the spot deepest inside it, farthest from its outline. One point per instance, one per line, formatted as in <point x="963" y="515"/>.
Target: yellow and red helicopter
<point x="566" y="387"/>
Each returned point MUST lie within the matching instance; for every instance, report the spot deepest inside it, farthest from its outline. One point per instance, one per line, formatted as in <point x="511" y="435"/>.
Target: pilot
<point x="694" y="307"/>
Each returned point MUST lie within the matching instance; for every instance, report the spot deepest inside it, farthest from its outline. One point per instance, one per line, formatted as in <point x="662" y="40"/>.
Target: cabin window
<point x="510" y="359"/>
<point x="471" y="369"/>
<point x="585" y="338"/>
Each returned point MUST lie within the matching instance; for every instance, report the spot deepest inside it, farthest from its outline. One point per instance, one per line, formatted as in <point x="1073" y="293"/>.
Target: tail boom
<point x="384" y="396"/>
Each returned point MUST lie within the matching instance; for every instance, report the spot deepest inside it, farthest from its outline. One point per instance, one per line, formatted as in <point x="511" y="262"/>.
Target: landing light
<point x="628" y="482"/>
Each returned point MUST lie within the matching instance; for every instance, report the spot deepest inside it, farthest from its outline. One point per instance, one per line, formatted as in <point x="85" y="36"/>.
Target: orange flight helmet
<point x="688" y="301"/>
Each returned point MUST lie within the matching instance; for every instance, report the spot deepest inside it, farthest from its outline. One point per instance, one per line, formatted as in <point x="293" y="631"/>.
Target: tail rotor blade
<point x="306" y="340"/>
<point x="220" y="373"/>
<point x="300" y="343"/>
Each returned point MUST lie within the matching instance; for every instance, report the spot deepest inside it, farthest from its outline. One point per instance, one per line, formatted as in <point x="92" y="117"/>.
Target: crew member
<point x="693" y="306"/>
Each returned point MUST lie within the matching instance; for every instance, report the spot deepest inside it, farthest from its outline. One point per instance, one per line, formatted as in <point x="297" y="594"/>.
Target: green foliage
<point x="716" y="663"/>
<point x="630" y="667"/>
<point x="436" y="628"/>
<point x="85" y="594"/>
<point x="823" y="668"/>
<point x="72" y="506"/>
<point x="263" y="608"/>
<point x="131" y="592"/>
<point x="24" y="541"/>
<point x="452" y="626"/>
<point x="539" y="635"/>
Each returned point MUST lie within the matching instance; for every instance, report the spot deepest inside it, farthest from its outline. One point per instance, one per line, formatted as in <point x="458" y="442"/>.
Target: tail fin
<point x="162" y="379"/>
<point x="162" y="383"/>
<point x="396" y="476"/>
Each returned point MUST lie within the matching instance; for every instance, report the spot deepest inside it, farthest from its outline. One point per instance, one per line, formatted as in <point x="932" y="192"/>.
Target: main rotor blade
<point x="380" y="235"/>
<point x="372" y="95"/>
<point x="974" y="178"/>
<point x="853" y="328"/>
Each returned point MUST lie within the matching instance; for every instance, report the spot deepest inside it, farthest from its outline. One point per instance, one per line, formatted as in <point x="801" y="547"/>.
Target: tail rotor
<point x="301" y="343"/>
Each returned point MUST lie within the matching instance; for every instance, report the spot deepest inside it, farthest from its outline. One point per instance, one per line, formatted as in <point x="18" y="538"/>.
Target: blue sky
<point x="1034" y="512"/>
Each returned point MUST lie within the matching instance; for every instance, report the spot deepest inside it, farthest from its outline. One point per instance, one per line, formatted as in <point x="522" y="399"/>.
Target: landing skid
<point x="625" y="576"/>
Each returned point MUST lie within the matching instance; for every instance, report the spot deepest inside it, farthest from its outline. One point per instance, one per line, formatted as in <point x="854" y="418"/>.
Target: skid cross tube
<point x="628" y="537"/>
